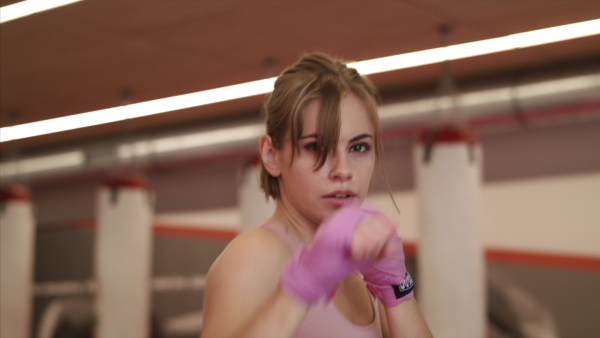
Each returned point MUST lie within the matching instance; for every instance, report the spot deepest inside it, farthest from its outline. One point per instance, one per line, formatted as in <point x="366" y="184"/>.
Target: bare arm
<point x="280" y="317"/>
<point x="242" y="296"/>
<point x="406" y="320"/>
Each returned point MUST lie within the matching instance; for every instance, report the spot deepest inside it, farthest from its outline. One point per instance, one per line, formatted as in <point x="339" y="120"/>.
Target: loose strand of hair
<point x="328" y="130"/>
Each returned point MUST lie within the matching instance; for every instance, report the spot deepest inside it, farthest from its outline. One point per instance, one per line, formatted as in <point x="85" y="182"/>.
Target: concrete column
<point x="17" y="236"/>
<point x="124" y="258"/>
<point x="451" y="290"/>
<point x="254" y="208"/>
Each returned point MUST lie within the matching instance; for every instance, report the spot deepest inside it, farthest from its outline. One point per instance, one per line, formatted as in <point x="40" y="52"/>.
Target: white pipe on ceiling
<point x="242" y="137"/>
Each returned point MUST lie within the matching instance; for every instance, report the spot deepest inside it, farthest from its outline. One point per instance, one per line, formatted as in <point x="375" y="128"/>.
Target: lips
<point x="340" y="197"/>
<point x="341" y="194"/>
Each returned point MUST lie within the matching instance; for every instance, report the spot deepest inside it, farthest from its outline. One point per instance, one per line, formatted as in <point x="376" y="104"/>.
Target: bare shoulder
<point x="242" y="279"/>
<point x="253" y="251"/>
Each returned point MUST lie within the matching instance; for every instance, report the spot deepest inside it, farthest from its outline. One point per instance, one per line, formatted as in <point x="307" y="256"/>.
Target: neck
<point x="299" y="227"/>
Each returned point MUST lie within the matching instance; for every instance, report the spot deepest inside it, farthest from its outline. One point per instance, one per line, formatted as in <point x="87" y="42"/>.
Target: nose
<point x="340" y="167"/>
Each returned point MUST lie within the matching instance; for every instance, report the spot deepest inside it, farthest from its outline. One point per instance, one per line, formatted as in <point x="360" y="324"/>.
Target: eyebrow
<point x="308" y="136"/>
<point x="360" y="137"/>
<point x="354" y="139"/>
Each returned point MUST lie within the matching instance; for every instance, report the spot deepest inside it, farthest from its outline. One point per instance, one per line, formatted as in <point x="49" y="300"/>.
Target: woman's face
<point x="345" y="176"/>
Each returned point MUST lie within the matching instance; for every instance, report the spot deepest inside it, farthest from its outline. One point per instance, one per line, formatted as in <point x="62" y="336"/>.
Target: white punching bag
<point x="17" y="235"/>
<point x="124" y="258"/>
<point x="254" y="208"/>
<point x="451" y="290"/>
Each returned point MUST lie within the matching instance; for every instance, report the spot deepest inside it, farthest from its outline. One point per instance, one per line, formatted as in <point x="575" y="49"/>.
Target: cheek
<point x="365" y="164"/>
<point x="367" y="172"/>
<point x="304" y="175"/>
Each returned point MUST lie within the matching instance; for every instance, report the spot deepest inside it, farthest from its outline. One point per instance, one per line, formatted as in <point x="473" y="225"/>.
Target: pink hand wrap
<point x="314" y="270"/>
<point x="387" y="278"/>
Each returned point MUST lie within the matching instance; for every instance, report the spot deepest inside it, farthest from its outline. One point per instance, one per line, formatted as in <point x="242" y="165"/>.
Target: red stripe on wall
<point x="171" y="230"/>
<point x="540" y="260"/>
<point x="410" y="249"/>
<point x="554" y="261"/>
<point x="496" y="256"/>
<point x="543" y="260"/>
<point x="225" y="235"/>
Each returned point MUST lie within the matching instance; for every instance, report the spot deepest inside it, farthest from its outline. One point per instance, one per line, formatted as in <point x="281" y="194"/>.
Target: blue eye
<point x="360" y="147"/>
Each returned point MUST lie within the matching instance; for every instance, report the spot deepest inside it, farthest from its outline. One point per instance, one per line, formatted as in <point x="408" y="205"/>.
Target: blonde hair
<point x="315" y="76"/>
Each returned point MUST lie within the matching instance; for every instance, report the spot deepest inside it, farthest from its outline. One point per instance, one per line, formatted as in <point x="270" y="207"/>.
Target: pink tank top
<point x="325" y="320"/>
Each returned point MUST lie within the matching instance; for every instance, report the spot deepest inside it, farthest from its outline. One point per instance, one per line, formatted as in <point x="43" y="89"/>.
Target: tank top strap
<point x="283" y="236"/>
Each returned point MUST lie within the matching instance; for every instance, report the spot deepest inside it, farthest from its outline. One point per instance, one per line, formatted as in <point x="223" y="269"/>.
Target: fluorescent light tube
<point x="28" y="7"/>
<point x="136" y="110"/>
<point x="390" y="63"/>
<point x="476" y="48"/>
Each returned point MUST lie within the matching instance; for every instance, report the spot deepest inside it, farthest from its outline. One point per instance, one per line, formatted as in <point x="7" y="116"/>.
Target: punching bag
<point x="451" y="267"/>
<point x="17" y="235"/>
<point x="123" y="258"/>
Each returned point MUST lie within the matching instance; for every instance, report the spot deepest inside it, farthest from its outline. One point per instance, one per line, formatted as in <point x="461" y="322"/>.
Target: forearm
<point x="280" y="317"/>
<point x="406" y="320"/>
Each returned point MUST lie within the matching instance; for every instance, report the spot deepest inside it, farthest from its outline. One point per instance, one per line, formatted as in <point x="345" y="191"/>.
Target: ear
<point x="269" y="155"/>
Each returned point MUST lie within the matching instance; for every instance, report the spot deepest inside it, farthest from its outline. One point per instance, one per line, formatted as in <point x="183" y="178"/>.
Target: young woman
<point x="321" y="266"/>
